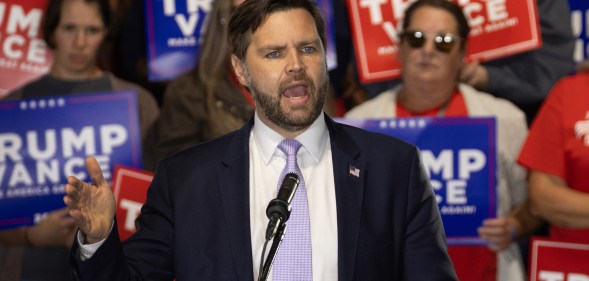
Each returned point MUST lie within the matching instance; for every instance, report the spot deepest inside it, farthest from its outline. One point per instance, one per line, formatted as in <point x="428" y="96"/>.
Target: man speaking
<point x="363" y="208"/>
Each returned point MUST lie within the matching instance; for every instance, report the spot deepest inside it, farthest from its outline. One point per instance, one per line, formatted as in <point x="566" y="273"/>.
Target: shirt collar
<point x="313" y="139"/>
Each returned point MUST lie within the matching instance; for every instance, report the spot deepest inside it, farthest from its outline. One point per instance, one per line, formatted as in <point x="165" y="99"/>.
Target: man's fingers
<point x="75" y="183"/>
<point x="72" y="193"/>
<point x="88" y="203"/>
<point x="70" y="203"/>
<point x="94" y="171"/>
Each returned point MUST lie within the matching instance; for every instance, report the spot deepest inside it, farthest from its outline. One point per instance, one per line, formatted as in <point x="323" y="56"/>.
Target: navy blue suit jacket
<point x="195" y="223"/>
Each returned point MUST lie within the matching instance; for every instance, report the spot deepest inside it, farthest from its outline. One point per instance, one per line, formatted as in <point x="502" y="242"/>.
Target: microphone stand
<point x="278" y="211"/>
<point x="263" y="276"/>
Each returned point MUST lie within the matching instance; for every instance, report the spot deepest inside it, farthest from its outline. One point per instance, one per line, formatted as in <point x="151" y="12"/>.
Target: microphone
<point x="278" y="210"/>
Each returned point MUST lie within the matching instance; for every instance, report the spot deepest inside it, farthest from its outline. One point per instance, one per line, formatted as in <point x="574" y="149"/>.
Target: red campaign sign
<point x="130" y="189"/>
<point x="499" y="28"/>
<point x="23" y="53"/>
<point x="558" y="261"/>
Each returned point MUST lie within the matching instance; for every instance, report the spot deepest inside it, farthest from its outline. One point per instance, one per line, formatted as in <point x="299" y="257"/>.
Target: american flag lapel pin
<point x="354" y="171"/>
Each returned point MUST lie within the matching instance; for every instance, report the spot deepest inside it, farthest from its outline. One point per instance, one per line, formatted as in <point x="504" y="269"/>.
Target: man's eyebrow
<point x="308" y="42"/>
<point x="277" y="47"/>
<point x="271" y="47"/>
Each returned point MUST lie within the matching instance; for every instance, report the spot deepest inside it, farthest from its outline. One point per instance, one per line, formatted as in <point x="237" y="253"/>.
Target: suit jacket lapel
<point x="349" y="170"/>
<point x="234" y="189"/>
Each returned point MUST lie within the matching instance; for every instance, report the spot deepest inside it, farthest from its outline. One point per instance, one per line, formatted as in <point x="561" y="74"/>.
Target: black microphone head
<point x="281" y="205"/>
<point x="288" y="187"/>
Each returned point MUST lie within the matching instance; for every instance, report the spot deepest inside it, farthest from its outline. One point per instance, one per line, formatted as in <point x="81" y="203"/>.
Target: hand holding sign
<point x="92" y="205"/>
<point x="57" y="229"/>
<point x="499" y="232"/>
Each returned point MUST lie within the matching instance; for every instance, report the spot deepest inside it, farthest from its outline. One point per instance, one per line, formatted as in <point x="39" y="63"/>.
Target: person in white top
<point x="432" y="49"/>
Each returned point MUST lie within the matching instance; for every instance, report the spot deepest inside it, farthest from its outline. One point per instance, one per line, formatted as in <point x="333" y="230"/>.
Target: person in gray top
<point x="76" y="31"/>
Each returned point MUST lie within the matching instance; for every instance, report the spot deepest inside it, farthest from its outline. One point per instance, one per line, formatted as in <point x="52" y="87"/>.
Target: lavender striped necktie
<point x="293" y="260"/>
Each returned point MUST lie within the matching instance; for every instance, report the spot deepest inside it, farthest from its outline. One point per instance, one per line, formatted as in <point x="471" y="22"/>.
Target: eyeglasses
<point x="442" y="41"/>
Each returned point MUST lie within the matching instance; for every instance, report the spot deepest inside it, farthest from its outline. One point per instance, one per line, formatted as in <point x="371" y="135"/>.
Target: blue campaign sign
<point x="43" y="141"/>
<point x="175" y="30"/>
<point x="460" y="157"/>
<point x="580" y="23"/>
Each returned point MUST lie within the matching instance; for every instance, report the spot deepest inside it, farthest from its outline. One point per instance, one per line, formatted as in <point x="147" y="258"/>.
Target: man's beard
<point x="270" y="104"/>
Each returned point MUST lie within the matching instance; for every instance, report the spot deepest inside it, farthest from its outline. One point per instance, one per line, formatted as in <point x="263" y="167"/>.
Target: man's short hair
<point x="53" y="15"/>
<point x="248" y="17"/>
<point x="450" y="7"/>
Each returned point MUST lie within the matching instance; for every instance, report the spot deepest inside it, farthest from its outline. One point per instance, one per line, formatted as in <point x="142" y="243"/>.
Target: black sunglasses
<point x="442" y="41"/>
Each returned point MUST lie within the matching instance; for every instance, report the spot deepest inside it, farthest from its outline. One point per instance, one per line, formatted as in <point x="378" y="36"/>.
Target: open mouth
<point x="295" y="92"/>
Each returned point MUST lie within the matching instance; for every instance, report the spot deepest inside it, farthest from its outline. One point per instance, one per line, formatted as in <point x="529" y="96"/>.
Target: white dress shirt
<point x="315" y="161"/>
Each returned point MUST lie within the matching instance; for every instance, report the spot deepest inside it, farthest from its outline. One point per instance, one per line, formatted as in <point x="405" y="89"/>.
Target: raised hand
<point x="92" y="205"/>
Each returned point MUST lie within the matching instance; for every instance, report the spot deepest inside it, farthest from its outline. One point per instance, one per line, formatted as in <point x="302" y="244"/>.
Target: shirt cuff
<point x="88" y="250"/>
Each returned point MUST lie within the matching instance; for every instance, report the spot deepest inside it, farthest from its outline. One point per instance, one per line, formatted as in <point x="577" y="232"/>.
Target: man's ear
<point x="239" y="70"/>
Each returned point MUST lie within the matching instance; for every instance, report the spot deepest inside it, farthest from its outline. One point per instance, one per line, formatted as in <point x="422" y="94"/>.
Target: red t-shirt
<point x="471" y="262"/>
<point x="553" y="148"/>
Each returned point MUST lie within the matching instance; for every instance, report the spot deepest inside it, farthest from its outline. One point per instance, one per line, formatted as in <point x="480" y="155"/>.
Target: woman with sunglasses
<point x="432" y="55"/>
